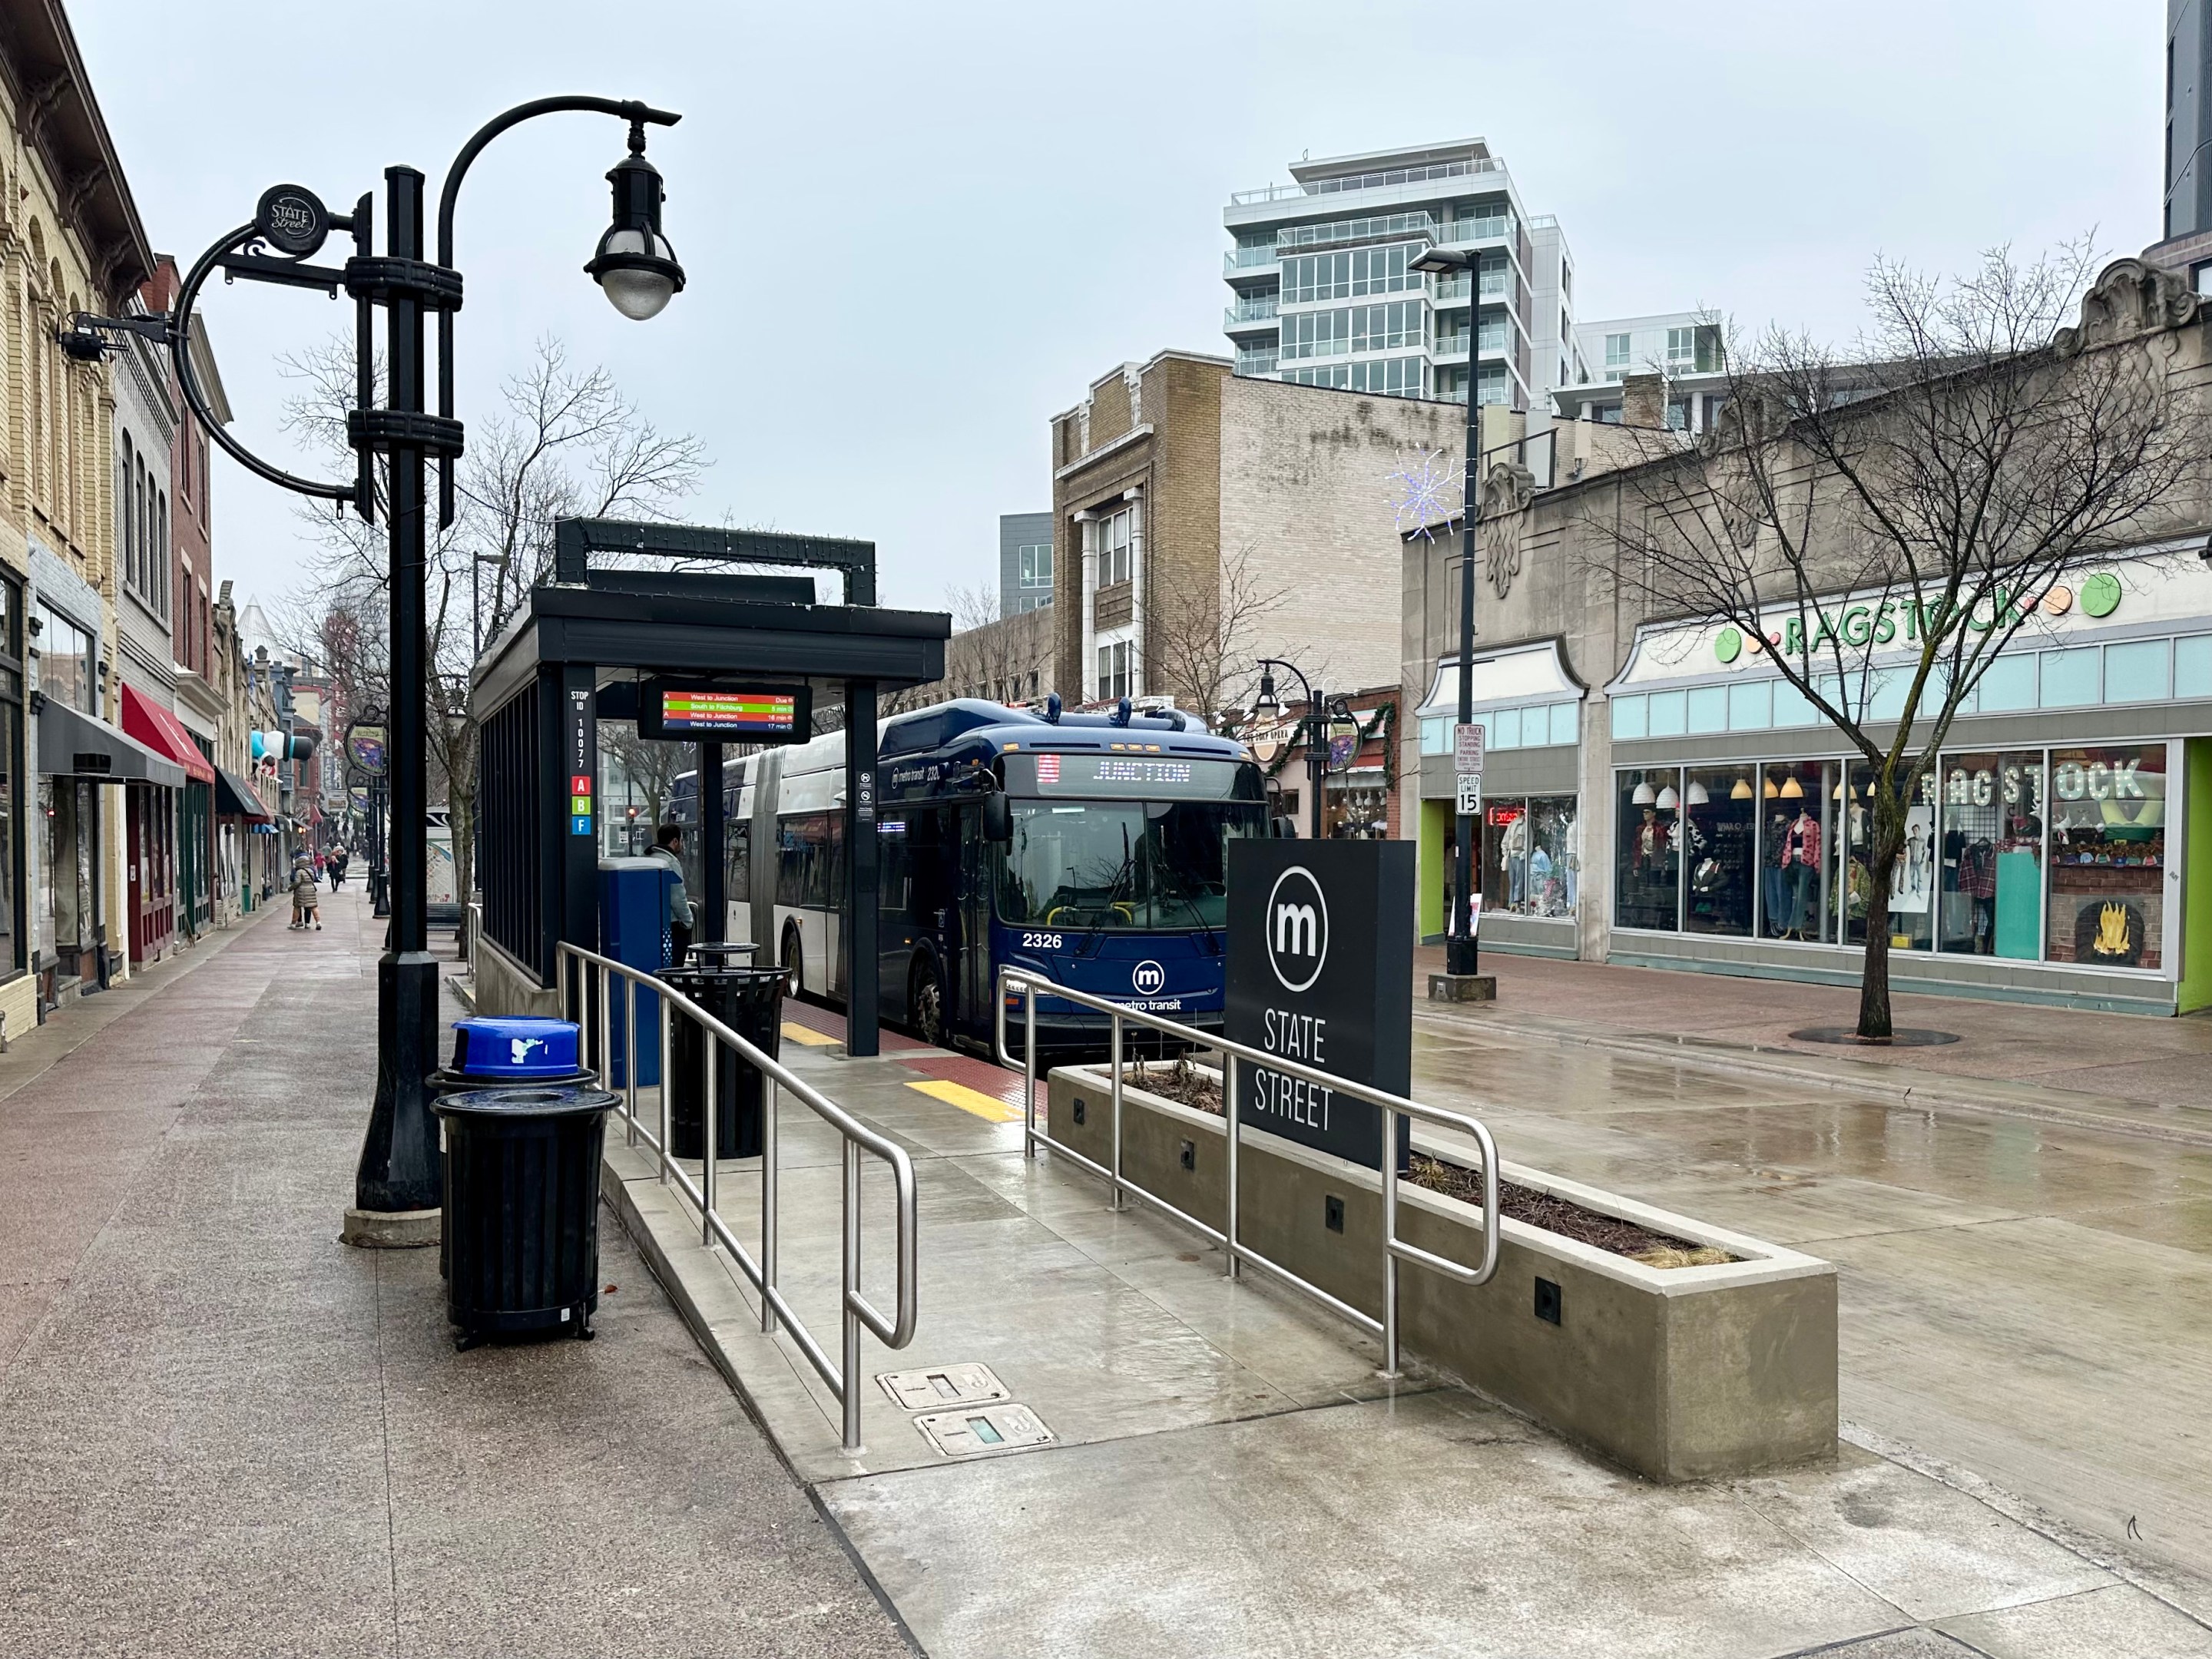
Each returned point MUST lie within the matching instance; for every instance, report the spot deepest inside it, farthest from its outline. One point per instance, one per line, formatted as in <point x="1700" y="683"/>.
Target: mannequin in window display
<point x="1543" y="886"/>
<point x="1799" y="865"/>
<point x="1652" y="863"/>
<point x="1774" y="881"/>
<point x="1513" y="846"/>
<point x="1570" y="861"/>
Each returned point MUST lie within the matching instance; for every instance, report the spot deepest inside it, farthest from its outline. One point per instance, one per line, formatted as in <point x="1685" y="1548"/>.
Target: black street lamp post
<point x="397" y="1185"/>
<point x="1315" y="721"/>
<point x="1461" y="954"/>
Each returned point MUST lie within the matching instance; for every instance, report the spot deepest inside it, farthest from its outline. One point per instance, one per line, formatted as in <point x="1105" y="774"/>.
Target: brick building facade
<point x="1205" y="521"/>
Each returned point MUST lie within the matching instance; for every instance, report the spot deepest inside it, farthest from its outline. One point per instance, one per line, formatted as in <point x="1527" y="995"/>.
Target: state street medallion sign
<point x="1320" y="954"/>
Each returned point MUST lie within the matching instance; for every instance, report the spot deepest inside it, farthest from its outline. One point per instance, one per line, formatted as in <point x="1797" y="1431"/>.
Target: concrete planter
<point x="1680" y="1373"/>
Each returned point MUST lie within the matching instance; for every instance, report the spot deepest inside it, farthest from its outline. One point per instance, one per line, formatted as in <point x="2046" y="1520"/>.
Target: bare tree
<point x="1005" y="659"/>
<point x="1205" y="628"/>
<point x="566" y="443"/>
<point x="1882" y="526"/>
<point x="649" y="763"/>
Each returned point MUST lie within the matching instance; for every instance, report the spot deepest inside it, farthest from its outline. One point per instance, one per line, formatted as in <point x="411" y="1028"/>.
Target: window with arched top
<point x="125" y="555"/>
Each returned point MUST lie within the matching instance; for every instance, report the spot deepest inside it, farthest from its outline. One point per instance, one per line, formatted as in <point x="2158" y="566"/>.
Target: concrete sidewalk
<point x="2124" y="1071"/>
<point x="221" y="1431"/>
<point x="1229" y="1477"/>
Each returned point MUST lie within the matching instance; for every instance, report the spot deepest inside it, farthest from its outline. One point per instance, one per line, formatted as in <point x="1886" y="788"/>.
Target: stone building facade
<point x="1655" y="794"/>
<point x="70" y="240"/>
<point x="1009" y="659"/>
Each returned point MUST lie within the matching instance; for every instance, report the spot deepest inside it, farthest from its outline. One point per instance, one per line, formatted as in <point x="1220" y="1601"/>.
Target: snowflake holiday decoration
<point x="1426" y="491"/>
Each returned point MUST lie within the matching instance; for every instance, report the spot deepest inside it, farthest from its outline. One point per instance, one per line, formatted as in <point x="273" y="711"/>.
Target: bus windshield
<point x="1122" y="865"/>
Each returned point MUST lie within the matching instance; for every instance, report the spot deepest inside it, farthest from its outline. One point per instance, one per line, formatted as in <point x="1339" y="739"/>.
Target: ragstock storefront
<point x="1705" y="817"/>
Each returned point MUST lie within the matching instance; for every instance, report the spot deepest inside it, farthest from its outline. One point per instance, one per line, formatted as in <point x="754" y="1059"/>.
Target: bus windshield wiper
<point x="1095" y="937"/>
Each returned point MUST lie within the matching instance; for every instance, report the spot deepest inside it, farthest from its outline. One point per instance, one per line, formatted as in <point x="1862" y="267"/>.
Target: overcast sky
<point x="913" y="233"/>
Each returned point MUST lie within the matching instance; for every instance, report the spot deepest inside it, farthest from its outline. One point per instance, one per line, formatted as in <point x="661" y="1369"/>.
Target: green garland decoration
<point x="1385" y="724"/>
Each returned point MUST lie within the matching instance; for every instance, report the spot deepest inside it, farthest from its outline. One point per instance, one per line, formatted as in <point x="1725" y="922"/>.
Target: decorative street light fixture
<point x="633" y="265"/>
<point x="1315" y="721"/>
<point x="397" y="1188"/>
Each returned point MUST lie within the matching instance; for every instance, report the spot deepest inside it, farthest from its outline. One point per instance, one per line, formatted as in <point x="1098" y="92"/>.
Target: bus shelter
<point x="575" y="654"/>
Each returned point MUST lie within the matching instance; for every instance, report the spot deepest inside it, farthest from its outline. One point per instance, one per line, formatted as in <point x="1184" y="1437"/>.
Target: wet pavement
<point x="2028" y="1301"/>
<point x="223" y="1432"/>
<point x="2133" y="1058"/>
<point x="1230" y="1477"/>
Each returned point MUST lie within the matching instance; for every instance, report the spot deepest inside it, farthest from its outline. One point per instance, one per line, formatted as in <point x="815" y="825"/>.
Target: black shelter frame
<point x="573" y="654"/>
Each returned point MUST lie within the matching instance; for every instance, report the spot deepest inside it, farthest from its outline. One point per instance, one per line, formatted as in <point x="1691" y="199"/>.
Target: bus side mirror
<point x="998" y="817"/>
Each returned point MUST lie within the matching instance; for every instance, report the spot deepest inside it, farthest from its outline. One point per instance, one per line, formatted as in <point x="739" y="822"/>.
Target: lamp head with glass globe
<point x="633" y="265"/>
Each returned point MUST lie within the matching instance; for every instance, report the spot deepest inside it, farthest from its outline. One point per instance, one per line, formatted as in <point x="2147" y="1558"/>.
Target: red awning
<point x="164" y="733"/>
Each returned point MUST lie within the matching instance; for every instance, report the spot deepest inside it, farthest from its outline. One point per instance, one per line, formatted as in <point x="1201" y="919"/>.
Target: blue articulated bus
<point x="1112" y="877"/>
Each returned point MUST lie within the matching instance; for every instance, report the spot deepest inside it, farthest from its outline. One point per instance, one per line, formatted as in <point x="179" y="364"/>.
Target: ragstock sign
<point x="1321" y="950"/>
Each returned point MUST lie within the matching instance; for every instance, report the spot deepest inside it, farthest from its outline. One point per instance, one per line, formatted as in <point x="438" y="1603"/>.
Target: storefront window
<point x="1505" y="856"/>
<point x="1531" y="864"/>
<point x="65" y="660"/>
<point x="11" y="775"/>
<point x="14" y="921"/>
<point x="1992" y="855"/>
<point x="1720" y="852"/>
<point x="2108" y="856"/>
<point x="1796" y="812"/>
<point x="1911" y="880"/>
<point x="1648" y="867"/>
<point x="1554" y="856"/>
<point x="2056" y="855"/>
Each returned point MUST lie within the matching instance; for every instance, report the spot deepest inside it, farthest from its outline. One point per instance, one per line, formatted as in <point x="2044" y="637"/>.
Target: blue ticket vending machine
<point x="633" y="931"/>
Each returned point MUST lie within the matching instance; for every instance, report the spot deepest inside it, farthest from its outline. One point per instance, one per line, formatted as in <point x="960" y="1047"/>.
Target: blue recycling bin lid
<point x="497" y="1047"/>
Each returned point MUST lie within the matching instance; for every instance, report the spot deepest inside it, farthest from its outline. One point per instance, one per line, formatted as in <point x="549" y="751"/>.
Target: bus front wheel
<point x="794" y="962"/>
<point x="925" y="1003"/>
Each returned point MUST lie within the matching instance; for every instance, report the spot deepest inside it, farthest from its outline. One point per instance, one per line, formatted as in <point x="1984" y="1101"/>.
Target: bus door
<point x="972" y="968"/>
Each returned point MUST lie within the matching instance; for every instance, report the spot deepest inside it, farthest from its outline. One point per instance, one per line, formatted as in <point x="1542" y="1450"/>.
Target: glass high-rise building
<point x="1322" y="292"/>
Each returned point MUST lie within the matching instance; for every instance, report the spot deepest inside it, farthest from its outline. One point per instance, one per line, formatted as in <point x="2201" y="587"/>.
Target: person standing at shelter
<point x="668" y="849"/>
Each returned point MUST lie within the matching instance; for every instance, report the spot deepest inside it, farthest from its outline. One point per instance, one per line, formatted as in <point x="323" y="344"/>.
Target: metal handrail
<point x="1015" y="981"/>
<point x="856" y="1310"/>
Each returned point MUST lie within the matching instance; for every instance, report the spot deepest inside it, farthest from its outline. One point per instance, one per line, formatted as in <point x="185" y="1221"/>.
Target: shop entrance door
<point x="152" y="850"/>
<point x="71" y="839"/>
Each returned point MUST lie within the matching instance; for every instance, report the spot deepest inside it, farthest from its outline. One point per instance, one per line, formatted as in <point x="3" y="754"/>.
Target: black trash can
<point x="487" y="1056"/>
<point x="521" y="1219"/>
<point x="749" y="1001"/>
<point x="713" y="956"/>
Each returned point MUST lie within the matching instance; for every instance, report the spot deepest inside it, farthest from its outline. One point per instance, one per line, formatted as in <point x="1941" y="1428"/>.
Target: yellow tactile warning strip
<point x="806" y="1037"/>
<point x="990" y="1109"/>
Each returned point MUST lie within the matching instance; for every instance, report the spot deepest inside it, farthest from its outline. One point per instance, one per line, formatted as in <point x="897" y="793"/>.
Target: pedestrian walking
<point x="335" y="867"/>
<point x="306" y="894"/>
<point x="668" y="848"/>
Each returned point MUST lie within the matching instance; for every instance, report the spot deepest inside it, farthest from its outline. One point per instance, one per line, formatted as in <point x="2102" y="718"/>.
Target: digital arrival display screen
<point x="690" y="711"/>
<point x="1146" y="777"/>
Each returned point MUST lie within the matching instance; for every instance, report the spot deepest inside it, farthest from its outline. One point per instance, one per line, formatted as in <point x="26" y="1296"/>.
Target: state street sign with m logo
<point x="1321" y="951"/>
